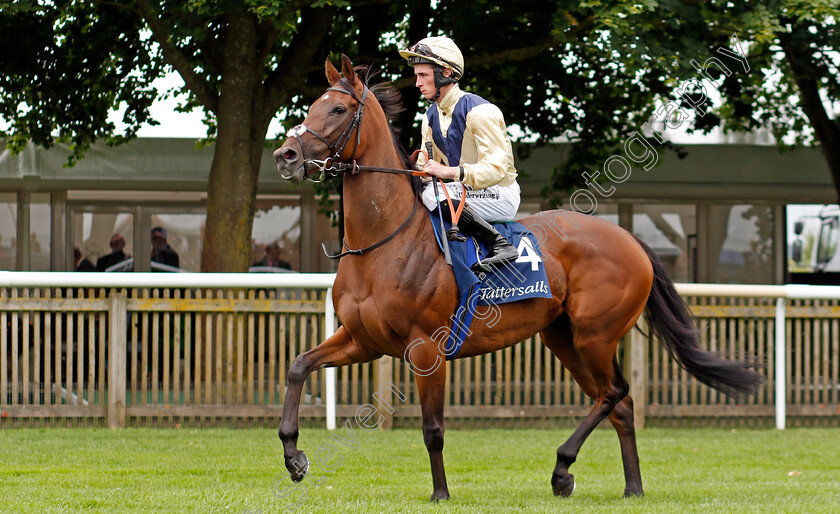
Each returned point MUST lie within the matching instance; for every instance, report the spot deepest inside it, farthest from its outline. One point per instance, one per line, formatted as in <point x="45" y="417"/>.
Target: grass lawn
<point x="206" y="470"/>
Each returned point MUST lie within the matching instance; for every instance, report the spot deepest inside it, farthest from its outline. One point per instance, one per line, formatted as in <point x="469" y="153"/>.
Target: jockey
<point x="468" y="134"/>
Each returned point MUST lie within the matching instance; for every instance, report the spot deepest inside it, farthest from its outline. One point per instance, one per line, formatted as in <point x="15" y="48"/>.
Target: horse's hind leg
<point x="610" y="392"/>
<point x="622" y="420"/>
<point x="337" y="350"/>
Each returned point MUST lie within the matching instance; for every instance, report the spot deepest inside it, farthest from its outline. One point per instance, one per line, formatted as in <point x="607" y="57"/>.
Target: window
<point x="93" y="233"/>
<point x="827" y="244"/>
<point x="670" y="231"/>
<point x="39" y="232"/>
<point x="741" y="244"/>
<point x="275" y="240"/>
<point x="183" y="233"/>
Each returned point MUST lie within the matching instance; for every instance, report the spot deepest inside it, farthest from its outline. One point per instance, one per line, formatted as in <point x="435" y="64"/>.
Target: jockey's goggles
<point x="423" y="50"/>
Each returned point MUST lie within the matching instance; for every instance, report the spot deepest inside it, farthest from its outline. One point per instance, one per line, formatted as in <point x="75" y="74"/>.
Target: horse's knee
<point x="433" y="436"/>
<point x="617" y="395"/>
<point x="298" y="371"/>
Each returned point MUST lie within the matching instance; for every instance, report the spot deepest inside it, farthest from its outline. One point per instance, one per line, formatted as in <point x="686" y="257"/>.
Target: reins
<point x="334" y="168"/>
<point x="374" y="245"/>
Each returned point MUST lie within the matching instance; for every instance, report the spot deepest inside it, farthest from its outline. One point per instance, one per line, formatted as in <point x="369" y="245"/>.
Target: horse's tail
<point x="673" y="325"/>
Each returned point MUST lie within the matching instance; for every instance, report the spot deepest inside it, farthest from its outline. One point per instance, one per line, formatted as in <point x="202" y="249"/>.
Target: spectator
<point x="116" y="256"/>
<point x="272" y="258"/>
<point x="81" y="263"/>
<point x="161" y="251"/>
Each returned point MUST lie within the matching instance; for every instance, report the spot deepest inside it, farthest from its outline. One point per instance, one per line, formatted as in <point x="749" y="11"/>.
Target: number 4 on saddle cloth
<point x="518" y="280"/>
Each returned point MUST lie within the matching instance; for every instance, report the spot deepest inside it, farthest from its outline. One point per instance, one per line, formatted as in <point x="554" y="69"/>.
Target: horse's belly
<point x="499" y="326"/>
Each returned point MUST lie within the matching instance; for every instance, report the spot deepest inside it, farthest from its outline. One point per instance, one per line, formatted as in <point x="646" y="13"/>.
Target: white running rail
<point x="192" y="280"/>
<point x="781" y="294"/>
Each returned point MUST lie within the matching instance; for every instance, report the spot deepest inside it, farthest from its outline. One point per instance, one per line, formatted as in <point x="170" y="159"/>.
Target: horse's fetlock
<point x="565" y="457"/>
<point x="288" y="435"/>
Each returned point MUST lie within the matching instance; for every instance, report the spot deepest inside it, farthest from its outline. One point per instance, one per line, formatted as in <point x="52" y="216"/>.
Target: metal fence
<point x="208" y="355"/>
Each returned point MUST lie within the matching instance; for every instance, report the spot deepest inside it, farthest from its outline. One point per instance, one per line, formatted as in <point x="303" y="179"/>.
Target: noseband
<point x="343" y="139"/>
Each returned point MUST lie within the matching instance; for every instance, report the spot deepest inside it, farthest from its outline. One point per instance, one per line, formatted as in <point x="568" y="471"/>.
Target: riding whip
<point x="443" y="238"/>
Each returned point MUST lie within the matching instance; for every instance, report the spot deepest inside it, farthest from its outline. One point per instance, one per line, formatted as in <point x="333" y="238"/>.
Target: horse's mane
<point x="391" y="101"/>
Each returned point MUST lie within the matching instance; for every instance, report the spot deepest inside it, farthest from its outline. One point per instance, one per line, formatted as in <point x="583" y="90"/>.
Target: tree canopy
<point x="592" y="72"/>
<point x="794" y="46"/>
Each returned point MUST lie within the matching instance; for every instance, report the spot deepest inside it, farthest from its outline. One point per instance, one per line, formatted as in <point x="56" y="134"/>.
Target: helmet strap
<point x="441" y="80"/>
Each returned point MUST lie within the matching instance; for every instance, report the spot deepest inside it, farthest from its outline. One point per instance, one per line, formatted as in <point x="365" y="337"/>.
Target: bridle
<point x="334" y="166"/>
<point x="340" y="143"/>
<point x="331" y="164"/>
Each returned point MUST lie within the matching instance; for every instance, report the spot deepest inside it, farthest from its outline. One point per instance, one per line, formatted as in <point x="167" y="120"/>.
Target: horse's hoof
<point x="440" y="495"/>
<point x="633" y="494"/>
<point x="298" y="466"/>
<point x="563" y="485"/>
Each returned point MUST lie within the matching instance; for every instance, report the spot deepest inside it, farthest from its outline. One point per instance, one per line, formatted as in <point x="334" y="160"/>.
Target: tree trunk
<point x="806" y="76"/>
<point x="234" y="173"/>
<point x="245" y="108"/>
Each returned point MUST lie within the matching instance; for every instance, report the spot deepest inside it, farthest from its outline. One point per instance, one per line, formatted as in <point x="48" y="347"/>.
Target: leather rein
<point x="333" y="166"/>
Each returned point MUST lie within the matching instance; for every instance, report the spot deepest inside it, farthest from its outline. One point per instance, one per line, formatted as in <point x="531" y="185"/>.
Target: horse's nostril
<point x="285" y="156"/>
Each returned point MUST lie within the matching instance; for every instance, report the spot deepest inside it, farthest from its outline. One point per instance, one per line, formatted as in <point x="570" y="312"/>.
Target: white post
<point x="780" y="374"/>
<point x="329" y="321"/>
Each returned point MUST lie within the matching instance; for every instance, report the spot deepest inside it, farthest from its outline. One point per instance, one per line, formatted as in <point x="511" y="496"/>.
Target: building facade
<point x="715" y="215"/>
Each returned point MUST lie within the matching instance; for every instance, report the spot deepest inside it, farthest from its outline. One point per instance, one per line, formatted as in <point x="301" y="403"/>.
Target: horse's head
<point x="331" y="130"/>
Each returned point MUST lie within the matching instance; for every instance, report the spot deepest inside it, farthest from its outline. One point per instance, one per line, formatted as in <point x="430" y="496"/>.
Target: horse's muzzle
<point x="290" y="164"/>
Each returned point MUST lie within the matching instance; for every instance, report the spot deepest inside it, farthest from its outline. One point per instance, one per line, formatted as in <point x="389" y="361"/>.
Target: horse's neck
<point x="375" y="203"/>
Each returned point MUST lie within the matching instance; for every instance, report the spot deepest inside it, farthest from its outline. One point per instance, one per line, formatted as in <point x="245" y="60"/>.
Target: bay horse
<point x="394" y="289"/>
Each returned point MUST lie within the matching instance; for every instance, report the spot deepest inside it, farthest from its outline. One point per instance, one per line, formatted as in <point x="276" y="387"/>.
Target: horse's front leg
<point x="430" y="369"/>
<point x="338" y="350"/>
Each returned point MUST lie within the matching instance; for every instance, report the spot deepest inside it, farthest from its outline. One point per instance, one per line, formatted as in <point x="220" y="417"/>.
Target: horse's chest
<point x="387" y="305"/>
<point x="366" y="318"/>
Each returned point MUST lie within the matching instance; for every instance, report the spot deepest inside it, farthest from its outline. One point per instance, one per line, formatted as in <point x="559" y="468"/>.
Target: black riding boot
<point x="500" y="250"/>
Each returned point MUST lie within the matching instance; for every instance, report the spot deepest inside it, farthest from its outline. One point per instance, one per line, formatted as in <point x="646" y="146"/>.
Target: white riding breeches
<point x="496" y="203"/>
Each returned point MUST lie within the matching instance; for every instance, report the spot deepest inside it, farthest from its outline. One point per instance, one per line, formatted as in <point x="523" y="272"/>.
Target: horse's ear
<point x="347" y="69"/>
<point x="332" y="74"/>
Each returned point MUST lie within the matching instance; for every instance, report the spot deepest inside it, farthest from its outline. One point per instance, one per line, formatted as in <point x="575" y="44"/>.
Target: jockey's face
<point x="424" y="79"/>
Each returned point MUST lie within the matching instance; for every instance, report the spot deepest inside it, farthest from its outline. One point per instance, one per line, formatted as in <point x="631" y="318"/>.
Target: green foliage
<point x="597" y="71"/>
<point x="769" y="95"/>
<point x="66" y="65"/>
<point x="589" y="72"/>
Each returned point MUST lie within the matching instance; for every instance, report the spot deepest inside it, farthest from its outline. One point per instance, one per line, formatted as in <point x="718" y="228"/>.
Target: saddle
<point x="510" y="282"/>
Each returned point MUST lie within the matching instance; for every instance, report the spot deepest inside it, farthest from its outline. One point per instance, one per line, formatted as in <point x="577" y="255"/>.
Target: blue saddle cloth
<point x="518" y="280"/>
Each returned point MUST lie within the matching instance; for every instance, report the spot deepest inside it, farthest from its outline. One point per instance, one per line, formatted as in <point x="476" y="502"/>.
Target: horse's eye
<point x="339" y="110"/>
